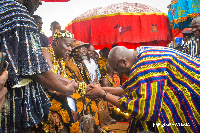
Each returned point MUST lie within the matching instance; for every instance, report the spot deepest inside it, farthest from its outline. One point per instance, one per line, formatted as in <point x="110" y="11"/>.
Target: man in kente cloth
<point x="77" y="70"/>
<point x="60" y="117"/>
<point x="162" y="93"/>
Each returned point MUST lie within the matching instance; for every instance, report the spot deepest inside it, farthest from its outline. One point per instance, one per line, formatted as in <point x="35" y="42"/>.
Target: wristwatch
<point x="104" y="95"/>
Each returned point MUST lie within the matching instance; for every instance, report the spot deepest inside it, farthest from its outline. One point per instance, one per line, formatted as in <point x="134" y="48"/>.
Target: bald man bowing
<point x="163" y="90"/>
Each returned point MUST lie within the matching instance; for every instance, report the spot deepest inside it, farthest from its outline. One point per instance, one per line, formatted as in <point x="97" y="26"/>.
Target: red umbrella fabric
<point x="56" y="0"/>
<point x="127" y="24"/>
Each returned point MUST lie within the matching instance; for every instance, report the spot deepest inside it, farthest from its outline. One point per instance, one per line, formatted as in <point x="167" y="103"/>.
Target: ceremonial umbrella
<point x="127" y="24"/>
<point x="56" y="0"/>
<point x="181" y="13"/>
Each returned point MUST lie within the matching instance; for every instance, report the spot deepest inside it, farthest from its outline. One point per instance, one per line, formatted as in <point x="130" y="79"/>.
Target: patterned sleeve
<point x="20" y="39"/>
<point x="144" y="102"/>
<point x="145" y="89"/>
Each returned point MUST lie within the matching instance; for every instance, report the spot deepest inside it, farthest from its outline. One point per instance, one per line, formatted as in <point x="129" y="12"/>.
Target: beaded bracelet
<point x="103" y="131"/>
<point x="82" y="87"/>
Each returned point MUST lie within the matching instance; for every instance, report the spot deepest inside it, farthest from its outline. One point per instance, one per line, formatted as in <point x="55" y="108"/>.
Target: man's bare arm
<point x="49" y="80"/>
<point x="97" y="92"/>
<point x="117" y="91"/>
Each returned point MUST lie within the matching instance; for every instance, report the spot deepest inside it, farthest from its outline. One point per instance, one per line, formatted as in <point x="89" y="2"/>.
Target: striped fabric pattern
<point x="27" y="104"/>
<point x="163" y="87"/>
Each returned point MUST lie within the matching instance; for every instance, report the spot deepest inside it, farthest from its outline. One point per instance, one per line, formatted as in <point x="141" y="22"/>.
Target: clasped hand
<point x="94" y="91"/>
<point x="71" y="87"/>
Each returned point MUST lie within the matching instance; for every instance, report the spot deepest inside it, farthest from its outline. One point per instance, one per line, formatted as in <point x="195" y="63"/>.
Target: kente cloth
<point x="115" y="82"/>
<point x="192" y="47"/>
<point x="111" y="81"/>
<point x="44" y="40"/>
<point x="72" y="70"/>
<point x="59" y="105"/>
<point x="19" y="38"/>
<point x="102" y="65"/>
<point x="92" y="68"/>
<point x="76" y="69"/>
<point x="163" y="87"/>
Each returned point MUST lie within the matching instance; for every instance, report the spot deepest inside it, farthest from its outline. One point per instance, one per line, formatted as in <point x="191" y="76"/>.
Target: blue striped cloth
<point x="19" y="38"/>
<point x="164" y="88"/>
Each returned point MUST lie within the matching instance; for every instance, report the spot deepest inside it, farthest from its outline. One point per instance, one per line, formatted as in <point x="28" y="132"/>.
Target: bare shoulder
<point x="45" y="51"/>
<point x="47" y="55"/>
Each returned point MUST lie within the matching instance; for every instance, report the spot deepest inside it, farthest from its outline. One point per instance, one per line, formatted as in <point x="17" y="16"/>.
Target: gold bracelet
<point x="82" y="87"/>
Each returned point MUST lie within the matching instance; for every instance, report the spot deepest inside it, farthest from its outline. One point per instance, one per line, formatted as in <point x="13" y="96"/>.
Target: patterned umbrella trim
<point x="119" y="7"/>
<point x="182" y="19"/>
<point x="118" y="13"/>
<point x="55" y="0"/>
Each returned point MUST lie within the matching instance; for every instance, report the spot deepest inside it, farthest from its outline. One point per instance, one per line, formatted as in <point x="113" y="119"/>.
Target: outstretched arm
<point x="97" y="91"/>
<point x="117" y="91"/>
<point x="53" y="81"/>
<point x="49" y="80"/>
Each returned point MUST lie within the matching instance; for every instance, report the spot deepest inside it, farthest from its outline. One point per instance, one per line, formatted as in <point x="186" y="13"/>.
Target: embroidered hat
<point x="79" y="44"/>
<point x="62" y="34"/>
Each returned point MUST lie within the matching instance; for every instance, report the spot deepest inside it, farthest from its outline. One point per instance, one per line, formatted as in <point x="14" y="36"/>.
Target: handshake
<point x="92" y="91"/>
<point x="95" y="91"/>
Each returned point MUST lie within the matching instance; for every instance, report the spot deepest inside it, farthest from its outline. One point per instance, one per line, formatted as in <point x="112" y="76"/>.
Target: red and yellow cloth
<point x="102" y="65"/>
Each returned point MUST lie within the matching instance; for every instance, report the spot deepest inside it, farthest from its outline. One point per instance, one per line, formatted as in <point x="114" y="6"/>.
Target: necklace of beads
<point x="59" y="65"/>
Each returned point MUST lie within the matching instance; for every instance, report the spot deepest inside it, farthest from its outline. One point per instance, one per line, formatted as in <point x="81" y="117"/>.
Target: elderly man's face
<point x="90" y="52"/>
<point x="32" y="5"/>
<point x="195" y="25"/>
<point x="120" y="66"/>
<point x="82" y="50"/>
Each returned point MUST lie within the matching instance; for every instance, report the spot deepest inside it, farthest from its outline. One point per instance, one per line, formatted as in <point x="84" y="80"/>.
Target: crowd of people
<point x="59" y="84"/>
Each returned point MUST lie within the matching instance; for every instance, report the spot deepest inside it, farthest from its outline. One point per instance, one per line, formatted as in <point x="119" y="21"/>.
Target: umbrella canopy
<point x="127" y="24"/>
<point x="56" y="0"/>
<point x="181" y="12"/>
